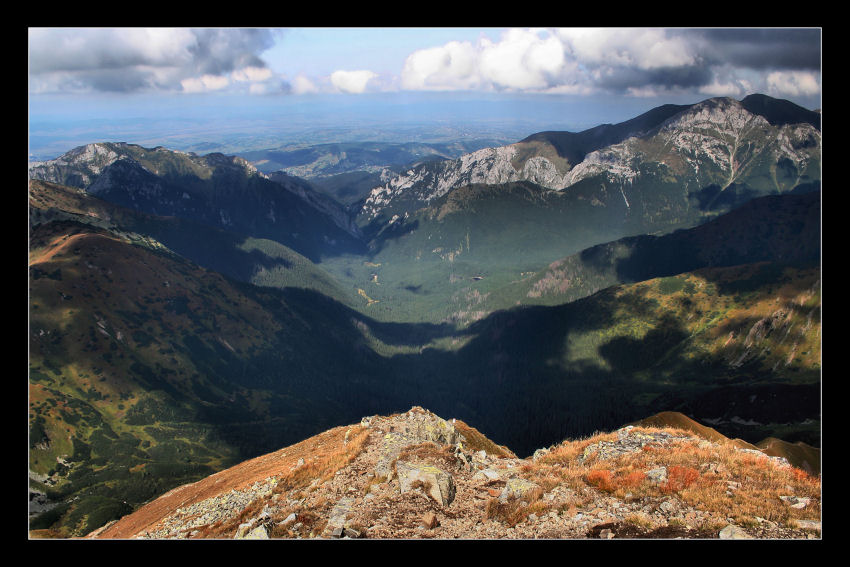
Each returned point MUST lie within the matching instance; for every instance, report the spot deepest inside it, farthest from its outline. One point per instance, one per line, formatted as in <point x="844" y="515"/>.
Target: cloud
<point x="204" y="83"/>
<point x="449" y="67"/>
<point x="303" y="85"/>
<point x="642" y="49"/>
<point x="633" y="61"/>
<point x="140" y="59"/>
<point x="793" y="83"/>
<point x="352" y="81"/>
<point x="763" y="49"/>
<point x="251" y="74"/>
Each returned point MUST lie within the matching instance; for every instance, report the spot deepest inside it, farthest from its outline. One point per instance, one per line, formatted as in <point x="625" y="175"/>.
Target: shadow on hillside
<point x="530" y="377"/>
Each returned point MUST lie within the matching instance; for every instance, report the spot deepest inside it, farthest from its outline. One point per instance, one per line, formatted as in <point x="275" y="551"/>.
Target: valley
<point x="189" y="312"/>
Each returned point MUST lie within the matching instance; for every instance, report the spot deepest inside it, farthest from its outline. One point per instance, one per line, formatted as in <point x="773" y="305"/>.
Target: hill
<point x="216" y="190"/>
<point x="414" y="475"/>
<point x="253" y="260"/>
<point x="146" y="370"/>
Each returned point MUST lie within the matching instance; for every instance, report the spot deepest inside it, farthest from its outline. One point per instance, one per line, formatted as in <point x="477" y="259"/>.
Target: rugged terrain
<point x="414" y="475"/>
<point x="190" y="312"/>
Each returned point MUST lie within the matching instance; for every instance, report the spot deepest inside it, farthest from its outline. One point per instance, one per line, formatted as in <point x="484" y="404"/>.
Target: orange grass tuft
<point x="679" y="478"/>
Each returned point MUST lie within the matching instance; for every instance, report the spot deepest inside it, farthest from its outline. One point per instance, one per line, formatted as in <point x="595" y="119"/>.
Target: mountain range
<point x="190" y="312"/>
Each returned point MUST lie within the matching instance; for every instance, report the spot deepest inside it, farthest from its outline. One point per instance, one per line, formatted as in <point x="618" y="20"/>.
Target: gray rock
<point x="734" y="532"/>
<point x="796" y="502"/>
<point x="657" y="475"/>
<point x="809" y="525"/>
<point x="259" y="532"/>
<point x="437" y="483"/>
<point x="486" y="475"/>
<point x="516" y="488"/>
<point x="352" y="533"/>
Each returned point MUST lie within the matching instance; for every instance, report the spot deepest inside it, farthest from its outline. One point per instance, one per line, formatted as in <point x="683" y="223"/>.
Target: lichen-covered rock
<point x="518" y="488"/>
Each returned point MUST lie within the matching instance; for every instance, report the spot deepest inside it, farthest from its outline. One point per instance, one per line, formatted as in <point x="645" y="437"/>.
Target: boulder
<point x="734" y="532"/>
<point x="518" y="488"/>
<point x="259" y="532"/>
<point x="435" y="482"/>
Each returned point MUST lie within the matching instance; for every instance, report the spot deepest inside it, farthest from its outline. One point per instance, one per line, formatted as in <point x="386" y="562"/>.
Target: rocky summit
<point x="415" y="475"/>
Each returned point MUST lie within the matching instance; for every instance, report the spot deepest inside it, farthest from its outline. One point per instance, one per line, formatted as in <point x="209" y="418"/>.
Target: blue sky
<point x="551" y="78"/>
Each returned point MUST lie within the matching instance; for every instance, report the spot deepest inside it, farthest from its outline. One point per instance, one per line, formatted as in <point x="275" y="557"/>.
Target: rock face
<point x="717" y="142"/>
<point x="447" y="486"/>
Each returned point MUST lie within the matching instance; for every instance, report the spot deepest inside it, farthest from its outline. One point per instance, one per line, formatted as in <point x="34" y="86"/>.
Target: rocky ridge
<point x="417" y="476"/>
<point x="714" y="141"/>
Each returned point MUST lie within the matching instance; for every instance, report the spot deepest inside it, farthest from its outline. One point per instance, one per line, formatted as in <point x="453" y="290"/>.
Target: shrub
<point x="679" y="478"/>
<point x="601" y="480"/>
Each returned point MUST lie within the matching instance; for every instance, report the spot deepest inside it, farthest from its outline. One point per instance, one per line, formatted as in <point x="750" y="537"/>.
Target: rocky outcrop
<point x="443" y="485"/>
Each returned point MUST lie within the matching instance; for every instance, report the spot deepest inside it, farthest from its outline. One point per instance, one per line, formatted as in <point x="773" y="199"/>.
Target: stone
<point x="351" y="533"/>
<point x="430" y="521"/>
<point x="539" y="453"/>
<point x="657" y="475"/>
<point x="809" y="525"/>
<point x="516" y="488"/>
<point x="667" y="507"/>
<point x="288" y="520"/>
<point x="259" y="532"/>
<point x="437" y="483"/>
<point x="486" y="475"/>
<point x="242" y="530"/>
<point x="734" y="532"/>
<point x="795" y="501"/>
<point x="606" y="534"/>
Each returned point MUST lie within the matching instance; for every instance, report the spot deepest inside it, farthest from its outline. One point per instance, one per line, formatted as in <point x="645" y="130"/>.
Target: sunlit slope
<point x="736" y="347"/>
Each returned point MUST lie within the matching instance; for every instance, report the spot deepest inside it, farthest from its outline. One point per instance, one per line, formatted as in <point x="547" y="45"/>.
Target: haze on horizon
<point x="234" y="88"/>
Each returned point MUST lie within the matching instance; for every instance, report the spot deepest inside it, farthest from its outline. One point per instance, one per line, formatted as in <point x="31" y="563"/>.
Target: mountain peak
<point x="417" y="475"/>
<point x="780" y="112"/>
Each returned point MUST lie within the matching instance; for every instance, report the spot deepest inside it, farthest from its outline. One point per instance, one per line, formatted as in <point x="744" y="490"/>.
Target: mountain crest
<point x="416" y="475"/>
<point x="719" y="141"/>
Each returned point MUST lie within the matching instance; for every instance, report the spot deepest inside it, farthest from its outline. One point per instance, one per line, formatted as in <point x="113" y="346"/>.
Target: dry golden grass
<point x="697" y="474"/>
<point x="477" y="441"/>
<point x="322" y="465"/>
<point x="516" y="510"/>
<point x="430" y="452"/>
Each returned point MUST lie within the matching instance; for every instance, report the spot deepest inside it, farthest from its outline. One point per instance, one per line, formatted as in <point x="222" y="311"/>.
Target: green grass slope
<point x="147" y="371"/>
<point x="736" y="347"/>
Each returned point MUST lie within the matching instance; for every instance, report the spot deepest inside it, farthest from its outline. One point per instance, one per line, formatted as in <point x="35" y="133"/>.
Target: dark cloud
<point x="220" y="51"/>
<point x="760" y="49"/>
<point x="621" y="79"/>
<point x="133" y="59"/>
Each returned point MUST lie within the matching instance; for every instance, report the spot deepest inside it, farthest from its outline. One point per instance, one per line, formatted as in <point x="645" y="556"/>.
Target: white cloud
<point x="303" y="85"/>
<point x="452" y="66"/>
<point x="204" y="83"/>
<point x="540" y="60"/>
<point x="522" y="60"/>
<point x="251" y="74"/>
<point x="353" y="82"/>
<point x="793" y="83"/>
<point x="641" y="48"/>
